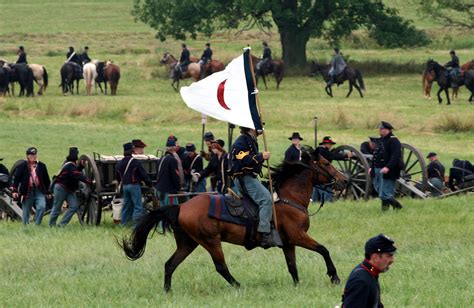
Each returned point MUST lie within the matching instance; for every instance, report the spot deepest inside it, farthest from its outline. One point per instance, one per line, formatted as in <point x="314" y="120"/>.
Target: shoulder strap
<point x="159" y="167"/>
<point x="62" y="168"/>
<point x="126" y="168"/>
<point x="70" y="57"/>
<point x="194" y="160"/>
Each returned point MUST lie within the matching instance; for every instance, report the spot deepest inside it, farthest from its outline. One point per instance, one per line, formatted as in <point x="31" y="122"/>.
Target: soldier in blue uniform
<point x="72" y="56"/>
<point x="247" y="164"/>
<point x="206" y="55"/>
<point x="362" y="288"/>
<point x="184" y="60"/>
<point x="217" y="167"/>
<point x="85" y="56"/>
<point x="32" y="183"/>
<point x="168" y="181"/>
<point x="21" y="55"/>
<point x="386" y="166"/>
<point x="338" y="65"/>
<point x="454" y="68"/>
<point x="293" y="153"/>
<point x="321" y="193"/>
<point x="65" y="185"/>
<point x="266" y="58"/>
<point x="130" y="173"/>
<point x="435" y="172"/>
<point x="192" y="163"/>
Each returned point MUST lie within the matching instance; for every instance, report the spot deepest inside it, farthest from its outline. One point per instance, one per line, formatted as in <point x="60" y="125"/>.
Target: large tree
<point x="452" y="13"/>
<point x="297" y="21"/>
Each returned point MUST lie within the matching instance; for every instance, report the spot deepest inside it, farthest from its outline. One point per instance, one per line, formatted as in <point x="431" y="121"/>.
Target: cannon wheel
<point x="356" y="172"/>
<point x="414" y="170"/>
<point x="90" y="209"/>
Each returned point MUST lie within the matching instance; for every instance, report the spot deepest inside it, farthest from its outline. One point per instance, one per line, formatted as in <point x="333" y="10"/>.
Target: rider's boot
<point x="267" y="240"/>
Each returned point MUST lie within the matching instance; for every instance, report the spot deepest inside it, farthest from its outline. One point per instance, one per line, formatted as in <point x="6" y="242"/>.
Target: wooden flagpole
<point x="270" y="182"/>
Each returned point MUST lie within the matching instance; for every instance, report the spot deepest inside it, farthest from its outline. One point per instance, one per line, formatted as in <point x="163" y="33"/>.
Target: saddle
<point x="238" y="211"/>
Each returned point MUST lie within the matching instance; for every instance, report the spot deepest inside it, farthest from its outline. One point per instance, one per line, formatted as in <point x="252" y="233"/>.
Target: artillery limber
<point x="101" y="169"/>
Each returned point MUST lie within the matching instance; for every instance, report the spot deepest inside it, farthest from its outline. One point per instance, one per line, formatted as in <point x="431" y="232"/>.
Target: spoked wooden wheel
<point x="414" y="170"/>
<point x="90" y="209"/>
<point x="356" y="172"/>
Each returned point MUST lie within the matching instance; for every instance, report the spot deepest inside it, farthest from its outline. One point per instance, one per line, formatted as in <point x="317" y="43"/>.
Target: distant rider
<point x="206" y="55"/>
<point x="338" y="65"/>
<point x="455" y="70"/>
<point x="184" y="60"/>
<point x="266" y="57"/>
<point x="21" y="55"/>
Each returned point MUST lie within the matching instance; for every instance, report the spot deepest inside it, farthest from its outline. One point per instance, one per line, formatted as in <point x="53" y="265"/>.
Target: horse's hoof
<point x="335" y="280"/>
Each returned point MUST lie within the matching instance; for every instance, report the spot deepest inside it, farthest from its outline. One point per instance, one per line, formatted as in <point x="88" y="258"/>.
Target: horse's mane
<point x="286" y="170"/>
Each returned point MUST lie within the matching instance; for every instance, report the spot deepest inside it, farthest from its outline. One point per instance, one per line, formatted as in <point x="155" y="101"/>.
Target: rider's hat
<point x="296" y="135"/>
<point x="327" y="139"/>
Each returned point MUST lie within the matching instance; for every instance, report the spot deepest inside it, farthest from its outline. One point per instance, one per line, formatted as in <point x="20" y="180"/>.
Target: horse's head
<point x="166" y="57"/>
<point x="323" y="171"/>
<point x="314" y="69"/>
<point x="431" y="65"/>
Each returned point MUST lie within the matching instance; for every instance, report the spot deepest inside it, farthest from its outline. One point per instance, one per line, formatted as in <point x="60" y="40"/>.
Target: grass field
<point x="83" y="266"/>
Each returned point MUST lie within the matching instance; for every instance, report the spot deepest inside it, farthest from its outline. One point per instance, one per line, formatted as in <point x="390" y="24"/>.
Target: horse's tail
<point x="135" y="245"/>
<point x="360" y="79"/>
<point x="45" y="77"/>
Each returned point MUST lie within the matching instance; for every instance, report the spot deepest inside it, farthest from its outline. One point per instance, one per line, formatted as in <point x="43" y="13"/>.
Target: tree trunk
<point x="293" y="44"/>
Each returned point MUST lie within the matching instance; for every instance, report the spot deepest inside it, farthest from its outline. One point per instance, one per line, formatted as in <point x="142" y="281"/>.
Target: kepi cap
<point x="190" y="147"/>
<point x="127" y="147"/>
<point x="379" y="244"/>
<point x="137" y="143"/>
<point x="32" y="151"/>
<point x="385" y="125"/>
<point x="208" y="136"/>
<point x="431" y="154"/>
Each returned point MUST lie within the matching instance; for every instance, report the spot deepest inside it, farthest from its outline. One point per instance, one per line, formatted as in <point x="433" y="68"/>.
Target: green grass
<point x="83" y="267"/>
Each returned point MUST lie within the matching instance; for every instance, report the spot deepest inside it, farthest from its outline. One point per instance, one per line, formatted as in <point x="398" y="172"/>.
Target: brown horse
<point x="111" y="75"/>
<point x="193" y="71"/>
<point x="429" y="77"/>
<point x="354" y="76"/>
<point x="192" y="226"/>
<point x="211" y="67"/>
<point x="275" y="67"/>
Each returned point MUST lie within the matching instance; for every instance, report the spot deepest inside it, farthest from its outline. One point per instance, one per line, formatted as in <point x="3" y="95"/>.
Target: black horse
<point x="70" y="72"/>
<point x="444" y="79"/>
<point x="469" y="83"/>
<point x="22" y="74"/>
<point x="354" y="77"/>
<point x="101" y="77"/>
<point x="4" y="81"/>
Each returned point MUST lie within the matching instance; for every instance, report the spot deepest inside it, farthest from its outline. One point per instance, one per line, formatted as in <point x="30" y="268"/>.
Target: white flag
<point x="229" y="95"/>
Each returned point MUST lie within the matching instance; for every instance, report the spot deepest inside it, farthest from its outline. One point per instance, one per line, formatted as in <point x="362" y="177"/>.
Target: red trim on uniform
<point x="374" y="272"/>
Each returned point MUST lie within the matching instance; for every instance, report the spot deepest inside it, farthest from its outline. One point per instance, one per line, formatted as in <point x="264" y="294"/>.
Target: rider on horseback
<point x="206" y="55"/>
<point x="85" y="56"/>
<point x="184" y="61"/>
<point x="455" y="71"/>
<point x="21" y="55"/>
<point x="246" y="165"/>
<point x="266" y="57"/>
<point x="338" y="65"/>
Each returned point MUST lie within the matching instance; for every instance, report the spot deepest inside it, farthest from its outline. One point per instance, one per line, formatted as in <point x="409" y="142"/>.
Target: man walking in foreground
<point x="362" y="288"/>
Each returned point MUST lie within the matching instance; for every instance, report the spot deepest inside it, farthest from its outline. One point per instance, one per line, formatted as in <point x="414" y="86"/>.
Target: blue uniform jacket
<point x="245" y="157"/>
<point x="207" y="55"/>
<point x="362" y="288"/>
<point x="389" y="154"/>
<point x="292" y="154"/>
<point x="22" y="178"/>
<point x="184" y="59"/>
<point x="70" y="176"/>
<point x="168" y="175"/>
<point x="135" y="173"/>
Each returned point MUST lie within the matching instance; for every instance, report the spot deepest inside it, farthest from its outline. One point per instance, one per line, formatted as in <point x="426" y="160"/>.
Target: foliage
<point x="452" y="13"/>
<point x="297" y="21"/>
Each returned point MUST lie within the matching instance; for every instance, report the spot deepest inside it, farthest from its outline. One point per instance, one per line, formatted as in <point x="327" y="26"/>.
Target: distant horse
<point x="275" y="67"/>
<point x="22" y="74"/>
<point x="192" y="225"/>
<point x="4" y="80"/>
<point x="69" y="74"/>
<point x="211" y="67"/>
<point x="100" y="75"/>
<point x="40" y="75"/>
<point x="112" y="76"/>
<point x="354" y="77"/>
<point x="193" y="71"/>
<point x="469" y="83"/>
<point x="89" y="71"/>
<point x="443" y="79"/>
<point x="427" y="79"/>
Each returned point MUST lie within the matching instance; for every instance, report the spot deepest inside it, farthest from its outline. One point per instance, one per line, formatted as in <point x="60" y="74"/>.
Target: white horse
<point x="90" y="74"/>
<point x="40" y="75"/>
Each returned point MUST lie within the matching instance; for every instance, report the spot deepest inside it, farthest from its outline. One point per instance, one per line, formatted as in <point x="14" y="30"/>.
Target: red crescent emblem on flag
<point x="220" y="95"/>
